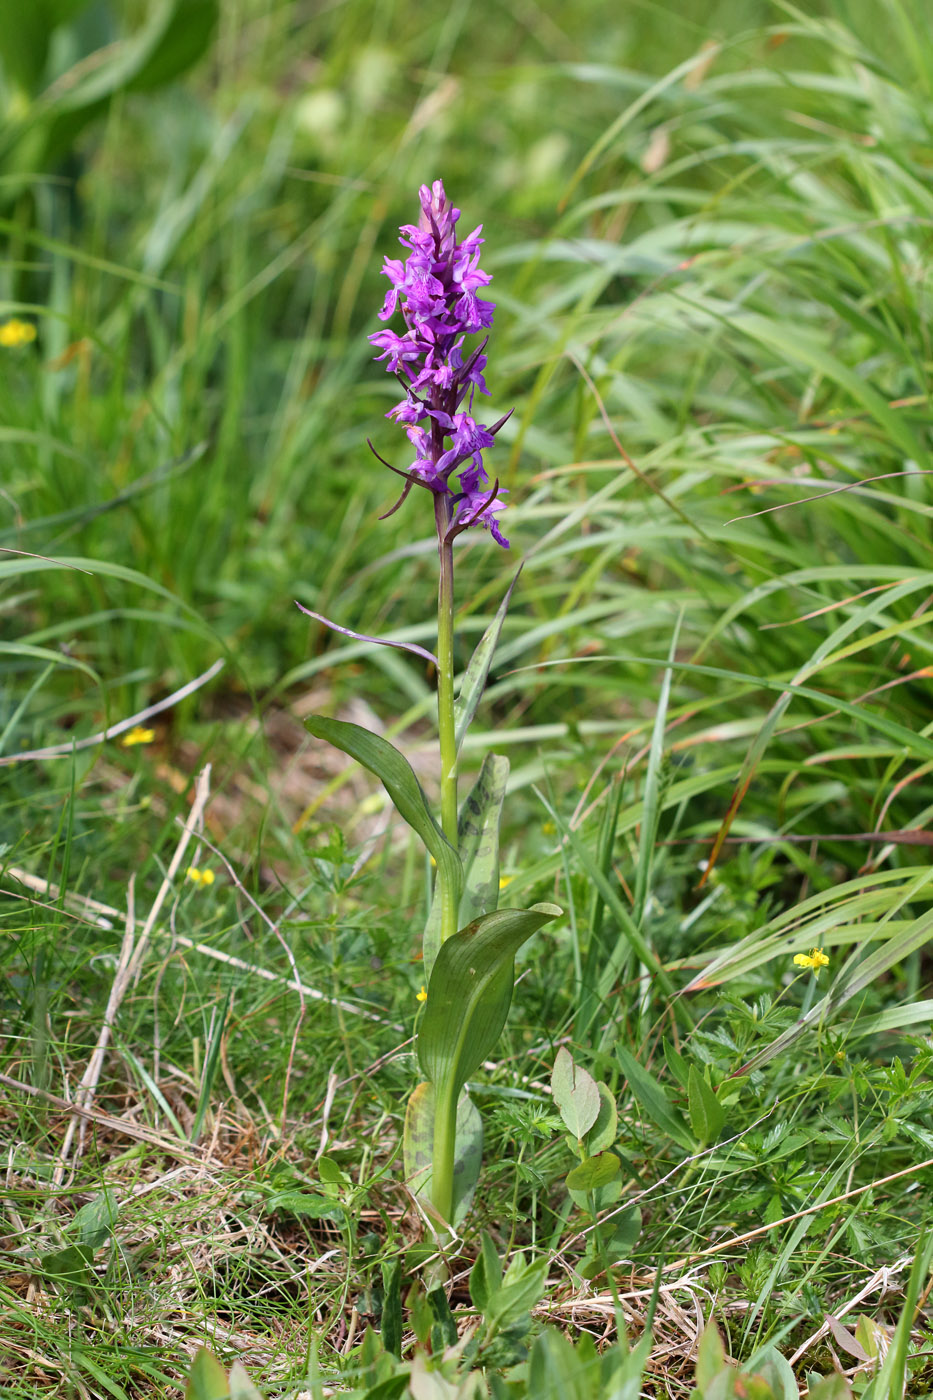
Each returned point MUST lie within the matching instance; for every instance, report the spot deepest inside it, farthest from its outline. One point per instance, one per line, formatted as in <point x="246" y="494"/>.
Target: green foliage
<point x="711" y="235"/>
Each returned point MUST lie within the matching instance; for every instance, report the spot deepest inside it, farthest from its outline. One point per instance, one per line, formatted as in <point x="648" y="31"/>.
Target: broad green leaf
<point x="392" y="1306"/>
<point x="556" y="1372"/>
<point x="777" y="1375"/>
<point x="94" y="1222"/>
<point x="676" y="1064"/>
<point x="418" y="1147"/>
<point x="444" y="1331"/>
<point x="241" y="1387"/>
<point x="70" y="1266"/>
<point x="486" y="1275"/>
<point x="604" y="1130"/>
<point x="834" y="1387"/>
<point x="706" y="1112"/>
<point x="653" y="1100"/>
<point x="626" y="1227"/>
<point x="297" y="1202"/>
<point x="711" y="1357"/>
<point x="575" y="1094"/>
<point x="520" y="1290"/>
<point x="478" y="841"/>
<point x="477" y="671"/>
<point x="396" y="775"/>
<point x="593" y="1172"/>
<point x="478" y="829"/>
<point x="470" y="992"/>
<point x="207" y="1379"/>
<point x="599" y="1198"/>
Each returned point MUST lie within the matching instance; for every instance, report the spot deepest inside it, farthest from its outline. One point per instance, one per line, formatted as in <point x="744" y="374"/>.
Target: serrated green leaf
<point x="418" y="1147"/>
<point x="477" y="671"/>
<point x="593" y="1172"/>
<point x="706" y="1112"/>
<point x="398" y="778"/>
<point x="575" y="1094"/>
<point x="207" y="1379"/>
<point x="653" y="1100"/>
<point x="470" y="992"/>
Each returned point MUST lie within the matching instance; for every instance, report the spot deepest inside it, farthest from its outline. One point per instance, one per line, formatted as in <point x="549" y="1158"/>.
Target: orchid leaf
<point x="470" y="992"/>
<point x="418" y="1145"/>
<point x="479" y="839"/>
<point x="477" y="671"/>
<point x="478" y="831"/>
<point x="397" y="777"/>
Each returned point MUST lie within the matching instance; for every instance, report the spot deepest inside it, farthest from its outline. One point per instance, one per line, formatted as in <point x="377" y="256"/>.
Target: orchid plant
<point x="469" y="944"/>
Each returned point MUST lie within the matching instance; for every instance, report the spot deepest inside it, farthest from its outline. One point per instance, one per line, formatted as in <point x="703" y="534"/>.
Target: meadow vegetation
<point x="710" y="231"/>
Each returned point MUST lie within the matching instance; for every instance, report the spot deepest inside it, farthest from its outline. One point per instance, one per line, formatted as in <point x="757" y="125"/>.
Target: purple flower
<point x="435" y="289"/>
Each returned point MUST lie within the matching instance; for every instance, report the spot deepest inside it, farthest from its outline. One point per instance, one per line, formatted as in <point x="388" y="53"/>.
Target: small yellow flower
<point x="422" y="995"/>
<point x="137" y="735"/>
<point x="816" y="959"/>
<point x="505" y="880"/>
<point x="200" y="877"/>
<point x="15" y="332"/>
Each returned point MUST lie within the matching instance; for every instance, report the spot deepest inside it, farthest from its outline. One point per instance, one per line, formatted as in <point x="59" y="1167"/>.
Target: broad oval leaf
<point x="593" y="1172"/>
<point x="575" y="1094"/>
<point x="470" y="992"/>
<point x="397" y="777"/>
<point x="207" y="1379"/>
<point x="604" y="1130"/>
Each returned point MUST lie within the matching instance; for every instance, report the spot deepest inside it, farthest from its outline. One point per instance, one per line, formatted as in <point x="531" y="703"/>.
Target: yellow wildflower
<point x="422" y="995"/>
<point x="816" y="959"/>
<point x="200" y="877"/>
<point x="505" y="880"/>
<point x="16" y="332"/>
<point x="137" y="735"/>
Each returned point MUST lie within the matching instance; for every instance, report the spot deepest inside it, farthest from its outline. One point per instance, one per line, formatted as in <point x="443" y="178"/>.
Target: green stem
<point x="445" y="697"/>
<point x="443" y="1154"/>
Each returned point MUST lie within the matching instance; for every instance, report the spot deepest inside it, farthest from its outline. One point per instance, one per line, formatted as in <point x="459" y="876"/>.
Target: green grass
<point x="711" y="268"/>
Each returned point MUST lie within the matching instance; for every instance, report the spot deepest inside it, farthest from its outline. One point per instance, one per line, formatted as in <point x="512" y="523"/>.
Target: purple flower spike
<point x="436" y="291"/>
